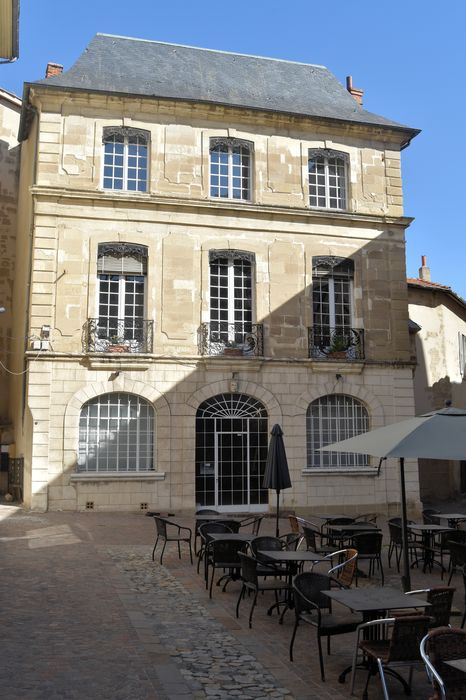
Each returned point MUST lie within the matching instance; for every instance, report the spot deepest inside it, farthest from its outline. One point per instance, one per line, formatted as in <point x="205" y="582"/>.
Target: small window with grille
<point x="230" y="168"/>
<point x="125" y="157"/>
<point x="328" y="179"/>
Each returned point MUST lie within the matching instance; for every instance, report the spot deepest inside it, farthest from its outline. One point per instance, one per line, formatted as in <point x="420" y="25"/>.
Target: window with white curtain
<point x="121" y="273"/>
<point x="330" y="419"/>
<point x="116" y="434"/>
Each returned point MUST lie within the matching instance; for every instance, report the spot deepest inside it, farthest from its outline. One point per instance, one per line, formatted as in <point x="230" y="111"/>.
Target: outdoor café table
<point x="373" y="603"/>
<point x="292" y="558"/>
<point x="452" y="518"/>
<point x="428" y="533"/>
<point x="459" y="664"/>
<point x="345" y="532"/>
<point x="239" y="536"/>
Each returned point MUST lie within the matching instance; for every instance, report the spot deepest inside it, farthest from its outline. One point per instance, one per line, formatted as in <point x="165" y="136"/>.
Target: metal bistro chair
<point x="252" y="583"/>
<point x="204" y="530"/>
<point x="343" y="565"/>
<point x="315" y="608"/>
<point x="315" y="540"/>
<point x="337" y="539"/>
<point x="441" y="600"/>
<point x="457" y="556"/>
<point x="201" y="511"/>
<point x="265" y="567"/>
<point x="254" y="522"/>
<point x="396" y="542"/>
<point x="369" y="546"/>
<point x="393" y="641"/>
<point x="223" y="554"/>
<point x="464" y="586"/>
<point x="439" y="646"/>
<point x="429" y="516"/>
<point x="168" y="531"/>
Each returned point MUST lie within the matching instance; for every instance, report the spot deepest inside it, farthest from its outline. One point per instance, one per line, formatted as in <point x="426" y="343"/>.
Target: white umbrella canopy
<point x="436" y="435"/>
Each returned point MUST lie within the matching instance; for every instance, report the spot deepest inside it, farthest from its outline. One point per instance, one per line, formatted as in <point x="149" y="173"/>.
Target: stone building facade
<point x="214" y="250"/>
<point x="439" y="345"/>
<point x="10" y="107"/>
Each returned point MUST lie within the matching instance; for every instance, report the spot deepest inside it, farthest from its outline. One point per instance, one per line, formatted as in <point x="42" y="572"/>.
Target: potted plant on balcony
<point x="232" y="348"/>
<point x="117" y="344"/>
<point x="338" y="347"/>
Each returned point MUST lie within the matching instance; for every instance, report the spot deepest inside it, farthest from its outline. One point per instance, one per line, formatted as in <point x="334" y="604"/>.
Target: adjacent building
<point x="211" y="243"/>
<point x="438" y="316"/>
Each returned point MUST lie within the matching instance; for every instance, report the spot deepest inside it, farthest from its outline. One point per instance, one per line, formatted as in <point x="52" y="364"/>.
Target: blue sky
<point x="409" y="57"/>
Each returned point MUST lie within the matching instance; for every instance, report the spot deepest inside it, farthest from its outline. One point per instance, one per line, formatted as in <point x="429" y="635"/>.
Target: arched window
<point x="330" y="419"/>
<point x="125" y="159"/>
<point x="116" y="434"/>
<point x="230" y="168"/>
<point x="328" y="179"/>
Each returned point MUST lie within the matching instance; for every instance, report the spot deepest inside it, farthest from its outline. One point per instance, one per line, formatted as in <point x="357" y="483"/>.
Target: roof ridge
<point x="200" y="48"/>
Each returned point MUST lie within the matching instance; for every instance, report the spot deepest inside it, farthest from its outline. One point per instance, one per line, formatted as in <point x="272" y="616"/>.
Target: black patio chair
<point x="336" y="539"/>
<point x="223" y="554"/>
<point x="315" y="541"/>
<point x="389" y="642"/>
<point x="204" y="530"/>
<point x="396" y="542"/>
<point x="254" y="522"/>
<point x="439" y="646"/>
<point x="457" y="557"/>
<point x="265" y="566"/>
<point x="464" y="590"/>
<point x="369" y="546"/>
<point x="429" y="516"/>
<point x="441" y="600"/>
<point x="252" y="583"/>
<point x="168" y="531"/>
<point x="201" y="511"/>
<point x="314" y="608"/>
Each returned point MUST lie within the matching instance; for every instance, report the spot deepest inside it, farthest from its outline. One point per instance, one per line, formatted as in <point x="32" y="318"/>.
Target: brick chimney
<point x="424" y="271"/>
<point x="53" y="69"/>
<point x="357" y="93"/>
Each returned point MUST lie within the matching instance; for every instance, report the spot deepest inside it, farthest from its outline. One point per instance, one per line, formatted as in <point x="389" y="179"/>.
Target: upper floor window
<point x="231" y="293"/>
<point x="230" y="168"/>
<point x="121" y="273"/>
<point x="125" y="159"/>
<point x="330" y="419"/>
<point x="328" y="179"/>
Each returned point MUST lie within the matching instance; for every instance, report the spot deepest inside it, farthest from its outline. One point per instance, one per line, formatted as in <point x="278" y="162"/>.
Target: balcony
<point x="336" y="344"/>
<point x="130" y="335"/>
<point x="231" y="339"/>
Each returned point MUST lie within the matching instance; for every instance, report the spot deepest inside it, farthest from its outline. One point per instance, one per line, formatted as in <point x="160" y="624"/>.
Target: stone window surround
<point x="125" y="131"/>
<point x="330" y="153"/>
<point x="231" y="142"/>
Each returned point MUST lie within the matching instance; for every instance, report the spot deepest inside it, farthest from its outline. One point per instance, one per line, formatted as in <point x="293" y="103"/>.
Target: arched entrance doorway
<point x="231" y="451"/>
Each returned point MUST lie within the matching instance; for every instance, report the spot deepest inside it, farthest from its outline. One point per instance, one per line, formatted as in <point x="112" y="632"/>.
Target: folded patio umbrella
<point x="436" y="435"/>
<point x="276" y="475"/>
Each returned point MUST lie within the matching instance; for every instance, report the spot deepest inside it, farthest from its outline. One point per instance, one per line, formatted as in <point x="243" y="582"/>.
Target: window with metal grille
<point x="116" y="434"/>
<point x="330" y="419"/>
<point x="121" y="272"/>
<point x="230" y="168"/>
<point x="328" y="179"/>
<point x="125" y="159"/>
<point x="230" y="296"/>
<point x="332" y="296"/>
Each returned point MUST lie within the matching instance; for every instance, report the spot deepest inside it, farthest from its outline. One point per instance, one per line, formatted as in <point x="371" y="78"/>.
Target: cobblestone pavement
<point x="87" y="614"/>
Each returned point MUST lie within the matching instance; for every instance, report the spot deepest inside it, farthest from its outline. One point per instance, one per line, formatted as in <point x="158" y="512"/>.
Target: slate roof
<point x="123" y="65"/>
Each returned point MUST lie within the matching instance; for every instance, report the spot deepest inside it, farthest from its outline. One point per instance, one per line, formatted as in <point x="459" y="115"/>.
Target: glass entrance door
<point x="231" y="451"/>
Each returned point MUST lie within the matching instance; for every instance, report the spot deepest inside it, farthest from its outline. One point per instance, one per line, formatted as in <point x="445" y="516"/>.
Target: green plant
<point x="339" y="343"/>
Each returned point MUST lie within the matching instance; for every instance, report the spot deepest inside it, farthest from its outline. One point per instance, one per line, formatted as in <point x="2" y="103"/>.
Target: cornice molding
<point x="245" y="209"/>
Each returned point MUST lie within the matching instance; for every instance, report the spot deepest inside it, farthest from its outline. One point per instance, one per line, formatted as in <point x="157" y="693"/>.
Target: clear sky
<point x="407" y="55"/>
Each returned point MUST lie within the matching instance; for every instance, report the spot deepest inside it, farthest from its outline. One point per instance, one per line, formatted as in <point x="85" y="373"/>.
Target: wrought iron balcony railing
<point x="118" y="335"/>
<point x="343" y="344"/>
<point x="231" y="339"/>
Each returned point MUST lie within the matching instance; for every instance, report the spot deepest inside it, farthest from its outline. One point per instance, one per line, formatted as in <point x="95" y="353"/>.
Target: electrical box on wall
<point x="40" y="345"/>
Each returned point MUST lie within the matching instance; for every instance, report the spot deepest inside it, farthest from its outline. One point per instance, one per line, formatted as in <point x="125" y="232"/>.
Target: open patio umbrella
<point x="436" y="435"/>
<point x="276" y="475"/>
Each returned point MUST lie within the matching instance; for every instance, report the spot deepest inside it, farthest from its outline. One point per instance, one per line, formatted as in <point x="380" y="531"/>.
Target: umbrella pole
<point x="277" y="529"/>
<point x="405" y="578"/>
